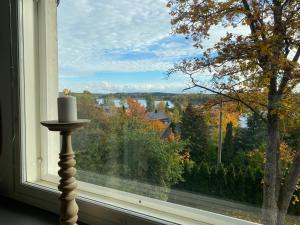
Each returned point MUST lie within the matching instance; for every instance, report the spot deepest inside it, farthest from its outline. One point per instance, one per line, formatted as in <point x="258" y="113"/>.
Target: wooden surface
<point x="67" y="184"/>
<point x="54" y="125"/>
<point x="13" y="212"/>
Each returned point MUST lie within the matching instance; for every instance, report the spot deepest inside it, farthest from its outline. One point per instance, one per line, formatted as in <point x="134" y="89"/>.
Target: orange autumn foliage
<point x="287" y="154"/>
<point x="157" y="125"/>
<point x="135" y="109"/>
<point x="230" y="114"/>
<point x="171" y="136"/>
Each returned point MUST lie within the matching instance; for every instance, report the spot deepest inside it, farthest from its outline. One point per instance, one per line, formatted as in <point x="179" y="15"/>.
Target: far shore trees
<point x="255" y="64"/>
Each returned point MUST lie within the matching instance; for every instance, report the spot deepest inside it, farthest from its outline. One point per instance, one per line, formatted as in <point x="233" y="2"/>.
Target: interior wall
<point x="8" y="93"/>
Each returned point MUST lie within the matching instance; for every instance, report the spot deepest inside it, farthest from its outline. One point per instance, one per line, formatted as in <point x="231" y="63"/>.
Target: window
<point x="150" y="154"/>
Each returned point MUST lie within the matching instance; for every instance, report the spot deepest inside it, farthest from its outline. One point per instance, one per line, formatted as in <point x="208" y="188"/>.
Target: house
<point x="161" y="116"/>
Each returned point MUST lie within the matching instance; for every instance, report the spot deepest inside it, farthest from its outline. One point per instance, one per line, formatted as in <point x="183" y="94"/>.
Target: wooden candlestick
<point x="68" y="185"/>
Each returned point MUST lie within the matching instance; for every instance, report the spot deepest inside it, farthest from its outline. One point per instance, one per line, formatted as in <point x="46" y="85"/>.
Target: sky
<point x="121" y="46"/>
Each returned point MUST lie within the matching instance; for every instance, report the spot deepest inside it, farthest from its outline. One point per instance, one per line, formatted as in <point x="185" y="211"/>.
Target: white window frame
<point x="38" y="66"/>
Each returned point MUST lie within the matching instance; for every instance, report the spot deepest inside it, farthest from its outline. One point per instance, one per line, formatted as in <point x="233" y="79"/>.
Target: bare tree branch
<point x="224" y="95"/>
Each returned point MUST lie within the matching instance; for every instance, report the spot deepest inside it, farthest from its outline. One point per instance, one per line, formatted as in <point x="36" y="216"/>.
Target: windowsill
<point x="155" y="211"/>
<point x="17" y="213"/>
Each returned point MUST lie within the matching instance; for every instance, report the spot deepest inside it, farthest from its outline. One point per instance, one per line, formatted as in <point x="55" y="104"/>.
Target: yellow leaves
<point x="257" y="155"/>
<point x="161" y="106"/>
<point x="135" y="109"/>
<point x="286" y="153"/>
<point x="230" y="115"/>
<point x="264" y="49"/>
<point x="157" y="125"/>
<point x="289" y="108"/>
<point x="295" y="200"/>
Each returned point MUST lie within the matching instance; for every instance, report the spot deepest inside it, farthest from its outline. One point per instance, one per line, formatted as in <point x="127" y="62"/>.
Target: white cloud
<point x="94" y="33"/>
<point x="109" y="87"/>
<point x="88" y="27"/>
<point x="121" y="66"/>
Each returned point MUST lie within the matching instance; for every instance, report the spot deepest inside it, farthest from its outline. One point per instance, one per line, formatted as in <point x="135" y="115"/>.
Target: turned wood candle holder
<point x="67" y="184"/>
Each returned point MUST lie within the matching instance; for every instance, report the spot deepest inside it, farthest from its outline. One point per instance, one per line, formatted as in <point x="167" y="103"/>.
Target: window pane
<point x="150" y="134"/>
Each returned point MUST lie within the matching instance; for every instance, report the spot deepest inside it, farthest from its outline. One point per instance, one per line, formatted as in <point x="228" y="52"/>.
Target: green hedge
<point x="243" y="185"/>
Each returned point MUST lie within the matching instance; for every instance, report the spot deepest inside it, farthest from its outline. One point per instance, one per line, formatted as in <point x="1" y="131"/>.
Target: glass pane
<point x="150" y="134"/>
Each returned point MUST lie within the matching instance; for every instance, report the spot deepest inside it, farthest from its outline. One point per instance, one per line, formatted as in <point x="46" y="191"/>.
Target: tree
<point x="135" y="109"/>
<point x="230" y="186"/>
<point x="257" y="68"/>
<point x="157" y="125"/>
<point x="255" y="135"/>
<point x="150" y="103"/>
<point x="221" y="181"/>
<point x="203" y="177"/>
<point x="175" y="116"/>
<point x="228" y="151"/>
<point x="167" y="106"/>
<point x="126" y="145"/>
<point x="195" y="130"/>
<point x="146" y="158"/>
<point x="161" y="107"/>
<point x="123" y="101"/>
<point x="109" y="100"/>
<point x="97" y="146"/>
<point x="251" y="137"/>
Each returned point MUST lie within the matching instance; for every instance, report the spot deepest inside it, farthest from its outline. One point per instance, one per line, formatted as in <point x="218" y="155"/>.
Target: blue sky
<point x="121" y="46"/>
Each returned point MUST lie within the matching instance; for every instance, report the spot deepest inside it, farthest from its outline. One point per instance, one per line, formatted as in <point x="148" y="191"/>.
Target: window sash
<point x="34" y="180"/>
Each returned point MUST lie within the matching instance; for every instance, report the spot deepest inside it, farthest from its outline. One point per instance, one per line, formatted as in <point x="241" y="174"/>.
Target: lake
<point x="117" y="102"/>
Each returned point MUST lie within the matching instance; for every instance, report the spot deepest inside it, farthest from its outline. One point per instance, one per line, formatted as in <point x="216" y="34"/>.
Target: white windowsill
<point x="152" y="209"/>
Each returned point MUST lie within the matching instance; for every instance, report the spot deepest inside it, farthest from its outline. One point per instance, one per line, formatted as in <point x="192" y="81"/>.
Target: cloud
<point x="87" y="27"/>
<point x="109" y="87"/>
<point x="121" y="36"/>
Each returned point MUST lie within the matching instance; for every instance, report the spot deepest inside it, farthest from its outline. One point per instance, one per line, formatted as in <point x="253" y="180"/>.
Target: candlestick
<point x="68" y="185"/>
<point x="67" y="107"/>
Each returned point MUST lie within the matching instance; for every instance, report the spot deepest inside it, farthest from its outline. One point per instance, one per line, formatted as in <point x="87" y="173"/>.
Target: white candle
<point x="67" y="108"/>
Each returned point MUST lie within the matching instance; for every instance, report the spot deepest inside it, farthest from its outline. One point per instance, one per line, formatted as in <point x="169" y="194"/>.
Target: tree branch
<point x="285" y="3"/>
<point x="287" y="75"/>
<point x="252" y="25"/>
<point x="224" y="95"/>
<point x="297" y="55"/>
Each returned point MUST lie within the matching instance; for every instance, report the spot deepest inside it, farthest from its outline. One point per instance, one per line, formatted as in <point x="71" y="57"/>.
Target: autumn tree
<point x="96" y="147"/>
<point x="125" y="145"/>
<point x="157" y="125"/>
<point x="161" y="106"/>
<point x="229" y="111"/>
<point x="255" y="63"/>
<point x="135" y="109"/>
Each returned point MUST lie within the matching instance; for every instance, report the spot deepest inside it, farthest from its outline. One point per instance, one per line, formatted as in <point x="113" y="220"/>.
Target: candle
<point x="67" y="108"/>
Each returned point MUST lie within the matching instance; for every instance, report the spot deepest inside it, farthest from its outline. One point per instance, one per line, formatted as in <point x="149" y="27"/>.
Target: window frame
<point x="38" y="69"/>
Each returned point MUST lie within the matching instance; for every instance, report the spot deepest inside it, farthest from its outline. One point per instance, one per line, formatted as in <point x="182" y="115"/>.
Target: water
<point x="117" y="102"/>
